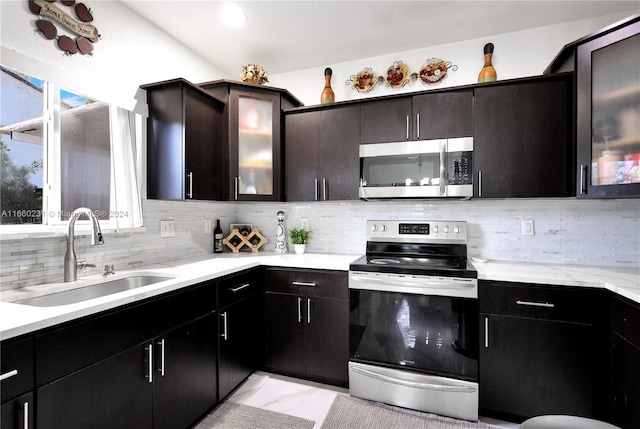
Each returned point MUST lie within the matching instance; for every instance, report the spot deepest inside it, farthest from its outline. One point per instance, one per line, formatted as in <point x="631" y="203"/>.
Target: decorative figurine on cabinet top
<point x="327" y="95"/>
<point x="488" y="73"/>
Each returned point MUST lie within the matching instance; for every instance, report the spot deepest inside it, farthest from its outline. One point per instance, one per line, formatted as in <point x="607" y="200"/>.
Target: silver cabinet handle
<point x="479" y="183"/>
<point x="583" y="179"/>
<point x="486" y="332"/>
<point x="443" y="167"/>
<point x="9" y="374"/>
<point x="235" y="188"/>
<point x="25" y="413"/>
<point x="315" y="189"/>
<point x="299" y="310"/>
<point x="190" y="176"/>
<point x="149" y="350"/>
<point x="536" y="304"/>
<point x="240" y="287"/>
<point x="308" y="310"/>
<point x="407" y="127"/>
<point x="324" y="189"/>
<point x="310" y="284"/>
<point x="161" y="369"/>
<point x="224" y="327"/>
<point x="417" y="125"/>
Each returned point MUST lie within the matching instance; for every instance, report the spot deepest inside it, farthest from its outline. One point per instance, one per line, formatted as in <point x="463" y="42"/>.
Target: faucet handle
<point x="108" y="269"/>
<point x="82" y="265"/>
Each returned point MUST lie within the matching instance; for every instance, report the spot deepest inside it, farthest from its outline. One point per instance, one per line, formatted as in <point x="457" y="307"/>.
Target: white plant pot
<point x="299" y="248"/>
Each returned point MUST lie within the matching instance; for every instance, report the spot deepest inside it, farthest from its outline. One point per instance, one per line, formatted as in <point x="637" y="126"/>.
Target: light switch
<point x="167" y="228"/>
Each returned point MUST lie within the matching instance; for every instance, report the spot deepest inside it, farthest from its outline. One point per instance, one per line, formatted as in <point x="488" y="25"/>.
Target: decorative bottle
<point x="488" y="73"/>
<point x="217" y="238"/>
<point x="327" y="95"/>
<point x="281" y="244"/>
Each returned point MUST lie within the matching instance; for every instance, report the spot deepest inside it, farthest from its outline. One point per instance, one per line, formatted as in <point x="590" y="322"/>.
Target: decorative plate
<point x="364" y="81"/>
<point x="434" y="70"/>
<point x="398" y="75"/>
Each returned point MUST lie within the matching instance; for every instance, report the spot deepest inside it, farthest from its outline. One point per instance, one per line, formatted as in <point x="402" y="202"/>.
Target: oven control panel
<point x="419" y="231"/>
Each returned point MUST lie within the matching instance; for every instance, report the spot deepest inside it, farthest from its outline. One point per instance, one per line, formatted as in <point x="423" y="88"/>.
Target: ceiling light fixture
<point x="232" y="15"/>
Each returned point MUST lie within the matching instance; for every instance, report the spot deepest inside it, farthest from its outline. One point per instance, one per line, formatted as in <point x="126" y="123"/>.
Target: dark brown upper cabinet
<point x="252" y="132"/>
<point x="183" y="142"/>
<point x="321" y="160"/>
<point x="434" y="115"/>
<point x="523" y="138"/>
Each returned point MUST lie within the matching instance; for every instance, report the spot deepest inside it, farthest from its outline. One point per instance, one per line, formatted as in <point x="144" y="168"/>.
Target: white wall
<point x="131" y="52"/>
<point x="517" y="54"/>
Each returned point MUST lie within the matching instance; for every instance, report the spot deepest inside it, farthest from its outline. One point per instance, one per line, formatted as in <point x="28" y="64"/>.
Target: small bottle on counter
<point x="217" y="238"/>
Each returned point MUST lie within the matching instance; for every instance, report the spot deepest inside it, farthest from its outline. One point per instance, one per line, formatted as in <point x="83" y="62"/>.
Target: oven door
<point x="427" y="333"/>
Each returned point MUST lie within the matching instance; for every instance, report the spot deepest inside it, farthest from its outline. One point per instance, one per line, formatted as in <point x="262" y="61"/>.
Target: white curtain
<point x="126" y="202"/>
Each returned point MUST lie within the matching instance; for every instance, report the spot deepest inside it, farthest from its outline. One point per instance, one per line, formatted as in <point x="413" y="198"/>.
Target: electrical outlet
<point x="167" y="228"/>
<point x="304" y="223"/>
<point x="207" y="226"/>
<point x="527" y="227"/>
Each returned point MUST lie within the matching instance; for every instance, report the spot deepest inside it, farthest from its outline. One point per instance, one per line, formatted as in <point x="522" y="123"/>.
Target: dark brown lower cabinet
<point x="119" y="392"/>
<point x="308" y="325"/>
<point x="240" y="343"/>
<point x="624" y="364"/>
<point x="18" y="413"/>
<point x="541" y="350"/>
<point x="535" y="367"/>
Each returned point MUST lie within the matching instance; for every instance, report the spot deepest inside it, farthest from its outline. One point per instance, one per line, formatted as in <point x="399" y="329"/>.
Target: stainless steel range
<point x="413" y="328"/>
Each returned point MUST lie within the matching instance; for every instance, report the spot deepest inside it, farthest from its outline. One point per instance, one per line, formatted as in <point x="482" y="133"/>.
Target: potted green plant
<point x="299" y="238"/>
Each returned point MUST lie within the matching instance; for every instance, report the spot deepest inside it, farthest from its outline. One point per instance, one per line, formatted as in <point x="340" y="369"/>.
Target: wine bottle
<point x="217" y="238"/>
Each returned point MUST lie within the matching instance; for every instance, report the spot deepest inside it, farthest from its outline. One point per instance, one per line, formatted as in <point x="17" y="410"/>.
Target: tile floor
<point x="300" y="398"/>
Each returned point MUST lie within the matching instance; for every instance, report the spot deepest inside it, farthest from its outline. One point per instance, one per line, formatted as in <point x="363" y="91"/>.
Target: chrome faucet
<point x="70" y="260"/>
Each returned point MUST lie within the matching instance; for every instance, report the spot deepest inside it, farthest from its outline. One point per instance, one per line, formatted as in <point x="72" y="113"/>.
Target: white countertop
<point x="17" y="319"/>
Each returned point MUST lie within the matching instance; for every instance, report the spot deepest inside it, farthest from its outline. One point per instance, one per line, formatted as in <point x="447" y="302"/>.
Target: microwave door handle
<point x="443" y="167"/>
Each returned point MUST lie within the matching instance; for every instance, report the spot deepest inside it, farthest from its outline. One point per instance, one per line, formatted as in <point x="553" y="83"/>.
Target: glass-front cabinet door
<point x="255" y="147"/>
<point x="608" y="79"/>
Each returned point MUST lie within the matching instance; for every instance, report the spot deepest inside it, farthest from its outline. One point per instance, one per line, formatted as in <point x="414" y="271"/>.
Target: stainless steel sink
<point x="93" y="291"/>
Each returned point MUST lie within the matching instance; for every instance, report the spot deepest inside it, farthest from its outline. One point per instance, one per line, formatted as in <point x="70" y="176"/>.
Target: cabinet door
<point x="255" y="152"/>
<point x="114" y="393"/>
<point x="285" y="333"/>
<point x="608" y="116"/>
<point x="18" y="413"/>
<point x="327" y="342"/>
<point x="624" y="383"/>
<point x="340" y="156"/>
<point x="240" y="345"/>
<point x="523" y="139"/>
<point x="443" y="115"/>
<point x="184" y="382"/>
<point x="386" y="121"/>
<point x="203" y="148"/>
<point x="533" y="367"/>
<point x="303" y="137"/>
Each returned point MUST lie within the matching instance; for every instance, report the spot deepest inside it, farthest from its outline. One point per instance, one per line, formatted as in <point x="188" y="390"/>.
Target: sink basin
<point x="93" y="291"/>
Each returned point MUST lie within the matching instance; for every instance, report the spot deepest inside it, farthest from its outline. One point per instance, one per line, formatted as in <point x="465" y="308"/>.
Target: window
<point x="61" y="151"/>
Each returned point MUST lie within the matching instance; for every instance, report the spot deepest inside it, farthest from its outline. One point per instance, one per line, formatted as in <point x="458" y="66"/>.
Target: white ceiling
<point x="285" y="36"/>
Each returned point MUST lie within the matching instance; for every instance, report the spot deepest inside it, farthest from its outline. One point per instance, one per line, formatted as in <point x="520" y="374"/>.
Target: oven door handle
<point x="427" y="386"/>
<point x="448" y="284"/>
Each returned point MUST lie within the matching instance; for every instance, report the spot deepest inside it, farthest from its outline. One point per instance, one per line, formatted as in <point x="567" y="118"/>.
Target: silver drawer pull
<point x="310" y="284"/>
<point x="25" y="413"/>
<point x="240" y="287"/>
<point x="8" y="374"/>
<point x="536" y="304"/>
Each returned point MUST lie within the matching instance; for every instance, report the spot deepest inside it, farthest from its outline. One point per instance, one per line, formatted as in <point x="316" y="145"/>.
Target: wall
<point x="518" y="54"/>
<point x="603" y="232"/>
<point x="131" y="52"/>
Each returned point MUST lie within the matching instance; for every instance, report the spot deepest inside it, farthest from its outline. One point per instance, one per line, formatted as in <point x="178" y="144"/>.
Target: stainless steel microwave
<point x="417" y="169"/>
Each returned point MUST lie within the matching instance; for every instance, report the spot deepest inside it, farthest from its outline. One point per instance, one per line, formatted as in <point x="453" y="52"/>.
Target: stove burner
<point x="384" y="261"/>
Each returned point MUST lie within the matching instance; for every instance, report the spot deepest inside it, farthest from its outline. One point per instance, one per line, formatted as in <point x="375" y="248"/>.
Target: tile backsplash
<point x="567" y="231"/>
